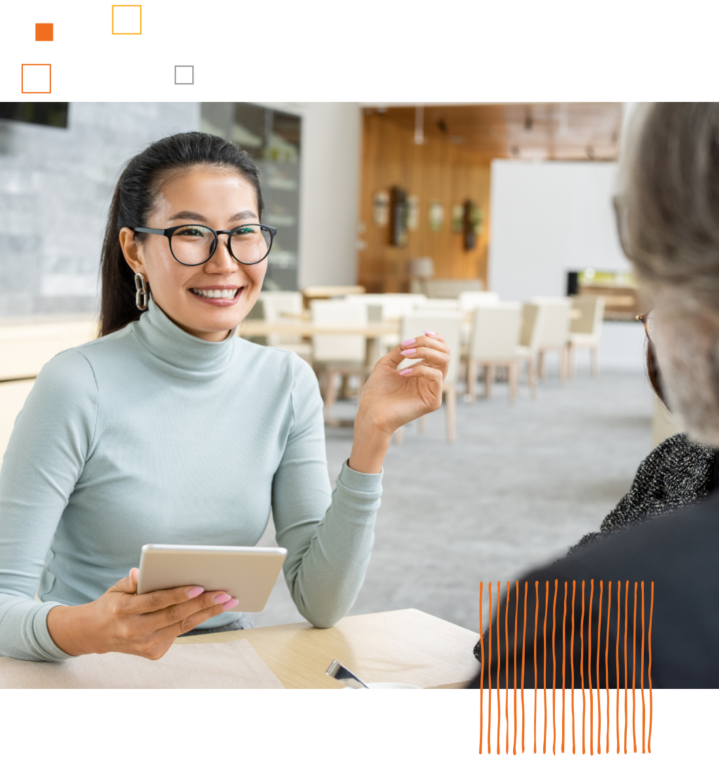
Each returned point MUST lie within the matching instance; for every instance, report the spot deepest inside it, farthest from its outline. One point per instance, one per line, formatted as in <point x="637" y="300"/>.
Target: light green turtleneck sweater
<point x="150" y="435"/>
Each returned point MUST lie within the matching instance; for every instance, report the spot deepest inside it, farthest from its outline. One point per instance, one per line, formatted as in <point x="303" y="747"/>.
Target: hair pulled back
<point x="134" y="199"/>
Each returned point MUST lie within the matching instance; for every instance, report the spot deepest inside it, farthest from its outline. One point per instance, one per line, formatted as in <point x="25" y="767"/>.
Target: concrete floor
<point x="519" y="486"/>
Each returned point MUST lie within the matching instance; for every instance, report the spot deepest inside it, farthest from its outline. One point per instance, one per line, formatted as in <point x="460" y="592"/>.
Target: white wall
<point x="330" y="181"/>
<point x="549" y="218"/>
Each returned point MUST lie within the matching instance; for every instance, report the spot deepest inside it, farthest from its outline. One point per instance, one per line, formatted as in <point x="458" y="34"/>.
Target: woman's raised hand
<point x="392" y="398"/>
<point x="122" y="621"/>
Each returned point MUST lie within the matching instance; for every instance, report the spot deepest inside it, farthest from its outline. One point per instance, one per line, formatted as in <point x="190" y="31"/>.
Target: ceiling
<point x="559" y="131"/>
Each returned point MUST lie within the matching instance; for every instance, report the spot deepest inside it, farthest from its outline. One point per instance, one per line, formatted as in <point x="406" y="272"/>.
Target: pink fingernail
<point x="430" y="333"/>
<point x="223" y="598"/>
<point x="408" y="351"/>
<point x="230" y="605"/>
<point x="405" y="371"/>
<point x="195" y="591"/>
<point x="408" y="342"/>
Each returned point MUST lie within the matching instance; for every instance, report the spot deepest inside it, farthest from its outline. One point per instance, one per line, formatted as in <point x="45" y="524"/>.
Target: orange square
<point x="43" y="33"/>
<point x="36" y="78"/>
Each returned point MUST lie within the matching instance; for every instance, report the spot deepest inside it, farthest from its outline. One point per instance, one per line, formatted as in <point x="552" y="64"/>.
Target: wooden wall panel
<point x="437" y="170"/>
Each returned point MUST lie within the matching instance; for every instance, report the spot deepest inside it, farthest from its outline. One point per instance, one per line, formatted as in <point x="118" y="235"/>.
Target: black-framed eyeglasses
<point x="194" y="244"/>
<point x="647" y="320"/>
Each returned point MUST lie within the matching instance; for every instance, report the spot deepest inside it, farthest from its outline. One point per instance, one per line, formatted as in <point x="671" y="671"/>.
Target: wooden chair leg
<point x="563" y="365"/>
<point x="330" y="394"/>
<point x="399" y="436"/>
<point x="532" y="378"/>
<point x="472" y="380"/>
<point x="594" y="352"/>
<point x="489" y="372"/>
<point x="513" y="375"/>
<point x="572" y="360"/>
<point x="542" y="364"/>
<point x="422" y="425"/>
<point x="450" y="399"/>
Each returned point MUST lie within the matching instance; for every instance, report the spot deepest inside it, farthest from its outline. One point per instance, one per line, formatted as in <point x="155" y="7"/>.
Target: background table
<point x="407" y="646"/>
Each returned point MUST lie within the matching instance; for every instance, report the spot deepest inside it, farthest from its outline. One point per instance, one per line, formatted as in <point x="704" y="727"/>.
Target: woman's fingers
<point x="420" y="371"/>
<point x="211" y="603"/>
<point x="428" y="354"/>
<point x="422" y="342"/>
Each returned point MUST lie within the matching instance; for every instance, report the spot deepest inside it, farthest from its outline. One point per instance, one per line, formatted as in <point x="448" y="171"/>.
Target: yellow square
<point x="126" y="19"/>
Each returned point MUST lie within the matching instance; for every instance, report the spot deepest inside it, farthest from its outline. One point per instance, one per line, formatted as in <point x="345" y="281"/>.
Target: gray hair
<point x="670" y="205"/>
<point x="669" y="224"/>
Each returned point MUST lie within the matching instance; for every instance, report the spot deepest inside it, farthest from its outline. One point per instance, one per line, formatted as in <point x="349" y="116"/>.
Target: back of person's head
<point x="669" y="223"/>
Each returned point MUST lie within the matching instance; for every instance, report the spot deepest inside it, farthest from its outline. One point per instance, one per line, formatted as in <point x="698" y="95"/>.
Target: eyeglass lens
<point x="192" y="244"/>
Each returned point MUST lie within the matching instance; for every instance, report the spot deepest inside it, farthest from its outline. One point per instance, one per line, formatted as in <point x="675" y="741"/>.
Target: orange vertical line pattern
<point x="544" y="673"/>
<point x="516" y="615"/>
<point x="626" y="672"/>
<point x="499" y="662"/>
<point x="489" y="675"/>
<point x="506" y="667"/>
<point x="619" y="634"/>
<point x="599" y="646"/>
<point x="564" y="654"/>
<point x="583" y="716"/>
<point x="536" y="621"/>
<point x="634" y="639"/>
<point x="634" y="671"/>
<point x="554" y="669"/>
<point x="499" y="655"/>
<point x="481" y="638"/>
<point x="649" y="672"/>
<point x="571" y="659"/>
<point x="641" y="679"/>
<point x="589" y="670"/>
<point x="589" y="636"/>
<point x="489" y="638"/>
<point x="571" y="642"/>
<point x="524" y="637"/>
<point x="481" y="670"/>
<point x="606" y="653"/>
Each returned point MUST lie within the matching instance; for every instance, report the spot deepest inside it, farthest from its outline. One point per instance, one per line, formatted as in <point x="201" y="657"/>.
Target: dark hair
<point x="135" y="197"/>
<point x="653" y="372"/>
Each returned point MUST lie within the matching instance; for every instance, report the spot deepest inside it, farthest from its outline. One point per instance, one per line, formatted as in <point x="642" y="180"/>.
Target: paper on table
<point x="207" y="665"/>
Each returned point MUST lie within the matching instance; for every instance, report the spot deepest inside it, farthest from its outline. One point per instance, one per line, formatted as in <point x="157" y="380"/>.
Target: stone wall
<point x="55" y="189"/>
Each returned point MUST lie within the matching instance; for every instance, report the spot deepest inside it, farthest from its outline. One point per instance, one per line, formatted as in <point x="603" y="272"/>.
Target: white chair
<point x="470" y="300"/>
<point x="394" y="306"/>
<point x="283" y="307"/>
<point x="494" y="343"/>
<point x="586" y="329"/>
<point x="545" y="328"/>
<point x="338" y="354"/>
<point x="443" y="304"/>
<point x="447" y="324"/>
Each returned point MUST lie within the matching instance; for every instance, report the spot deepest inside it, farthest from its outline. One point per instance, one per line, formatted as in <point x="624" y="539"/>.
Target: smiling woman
<point x="171" y="429"/>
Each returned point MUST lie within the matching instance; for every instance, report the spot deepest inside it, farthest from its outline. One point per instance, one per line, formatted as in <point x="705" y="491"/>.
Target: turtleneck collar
<point x="167" y="341"/>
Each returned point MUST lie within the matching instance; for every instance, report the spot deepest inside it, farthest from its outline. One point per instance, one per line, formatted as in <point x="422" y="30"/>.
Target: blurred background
<point x="492" y="223"/>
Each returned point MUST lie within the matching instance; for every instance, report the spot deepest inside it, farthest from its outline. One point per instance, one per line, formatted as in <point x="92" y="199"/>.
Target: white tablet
<point x="246" y="573"/>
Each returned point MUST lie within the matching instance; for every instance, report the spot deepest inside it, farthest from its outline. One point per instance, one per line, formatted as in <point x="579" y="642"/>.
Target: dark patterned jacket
<point x="677" y="473"/>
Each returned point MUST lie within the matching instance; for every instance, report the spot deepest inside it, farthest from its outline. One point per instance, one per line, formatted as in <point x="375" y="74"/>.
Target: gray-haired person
<point x="668" y="219"/>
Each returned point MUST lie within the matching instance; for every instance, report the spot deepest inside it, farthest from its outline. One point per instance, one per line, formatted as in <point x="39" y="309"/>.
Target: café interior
<point x="490" y="223"/>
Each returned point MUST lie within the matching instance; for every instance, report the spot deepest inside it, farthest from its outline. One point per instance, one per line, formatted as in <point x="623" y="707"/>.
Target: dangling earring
<point x="141" y="292"/>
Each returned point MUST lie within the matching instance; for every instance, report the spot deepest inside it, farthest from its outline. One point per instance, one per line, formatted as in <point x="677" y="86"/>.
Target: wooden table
<point x="407" y="646"/>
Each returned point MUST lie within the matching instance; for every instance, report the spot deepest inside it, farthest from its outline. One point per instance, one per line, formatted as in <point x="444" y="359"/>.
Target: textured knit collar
<point x="158" y="334"/>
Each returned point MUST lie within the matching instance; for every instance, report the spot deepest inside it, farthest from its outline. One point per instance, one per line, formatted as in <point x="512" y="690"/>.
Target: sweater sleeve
<point x="328" y="535"/>
<point x="45" y="456"/>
